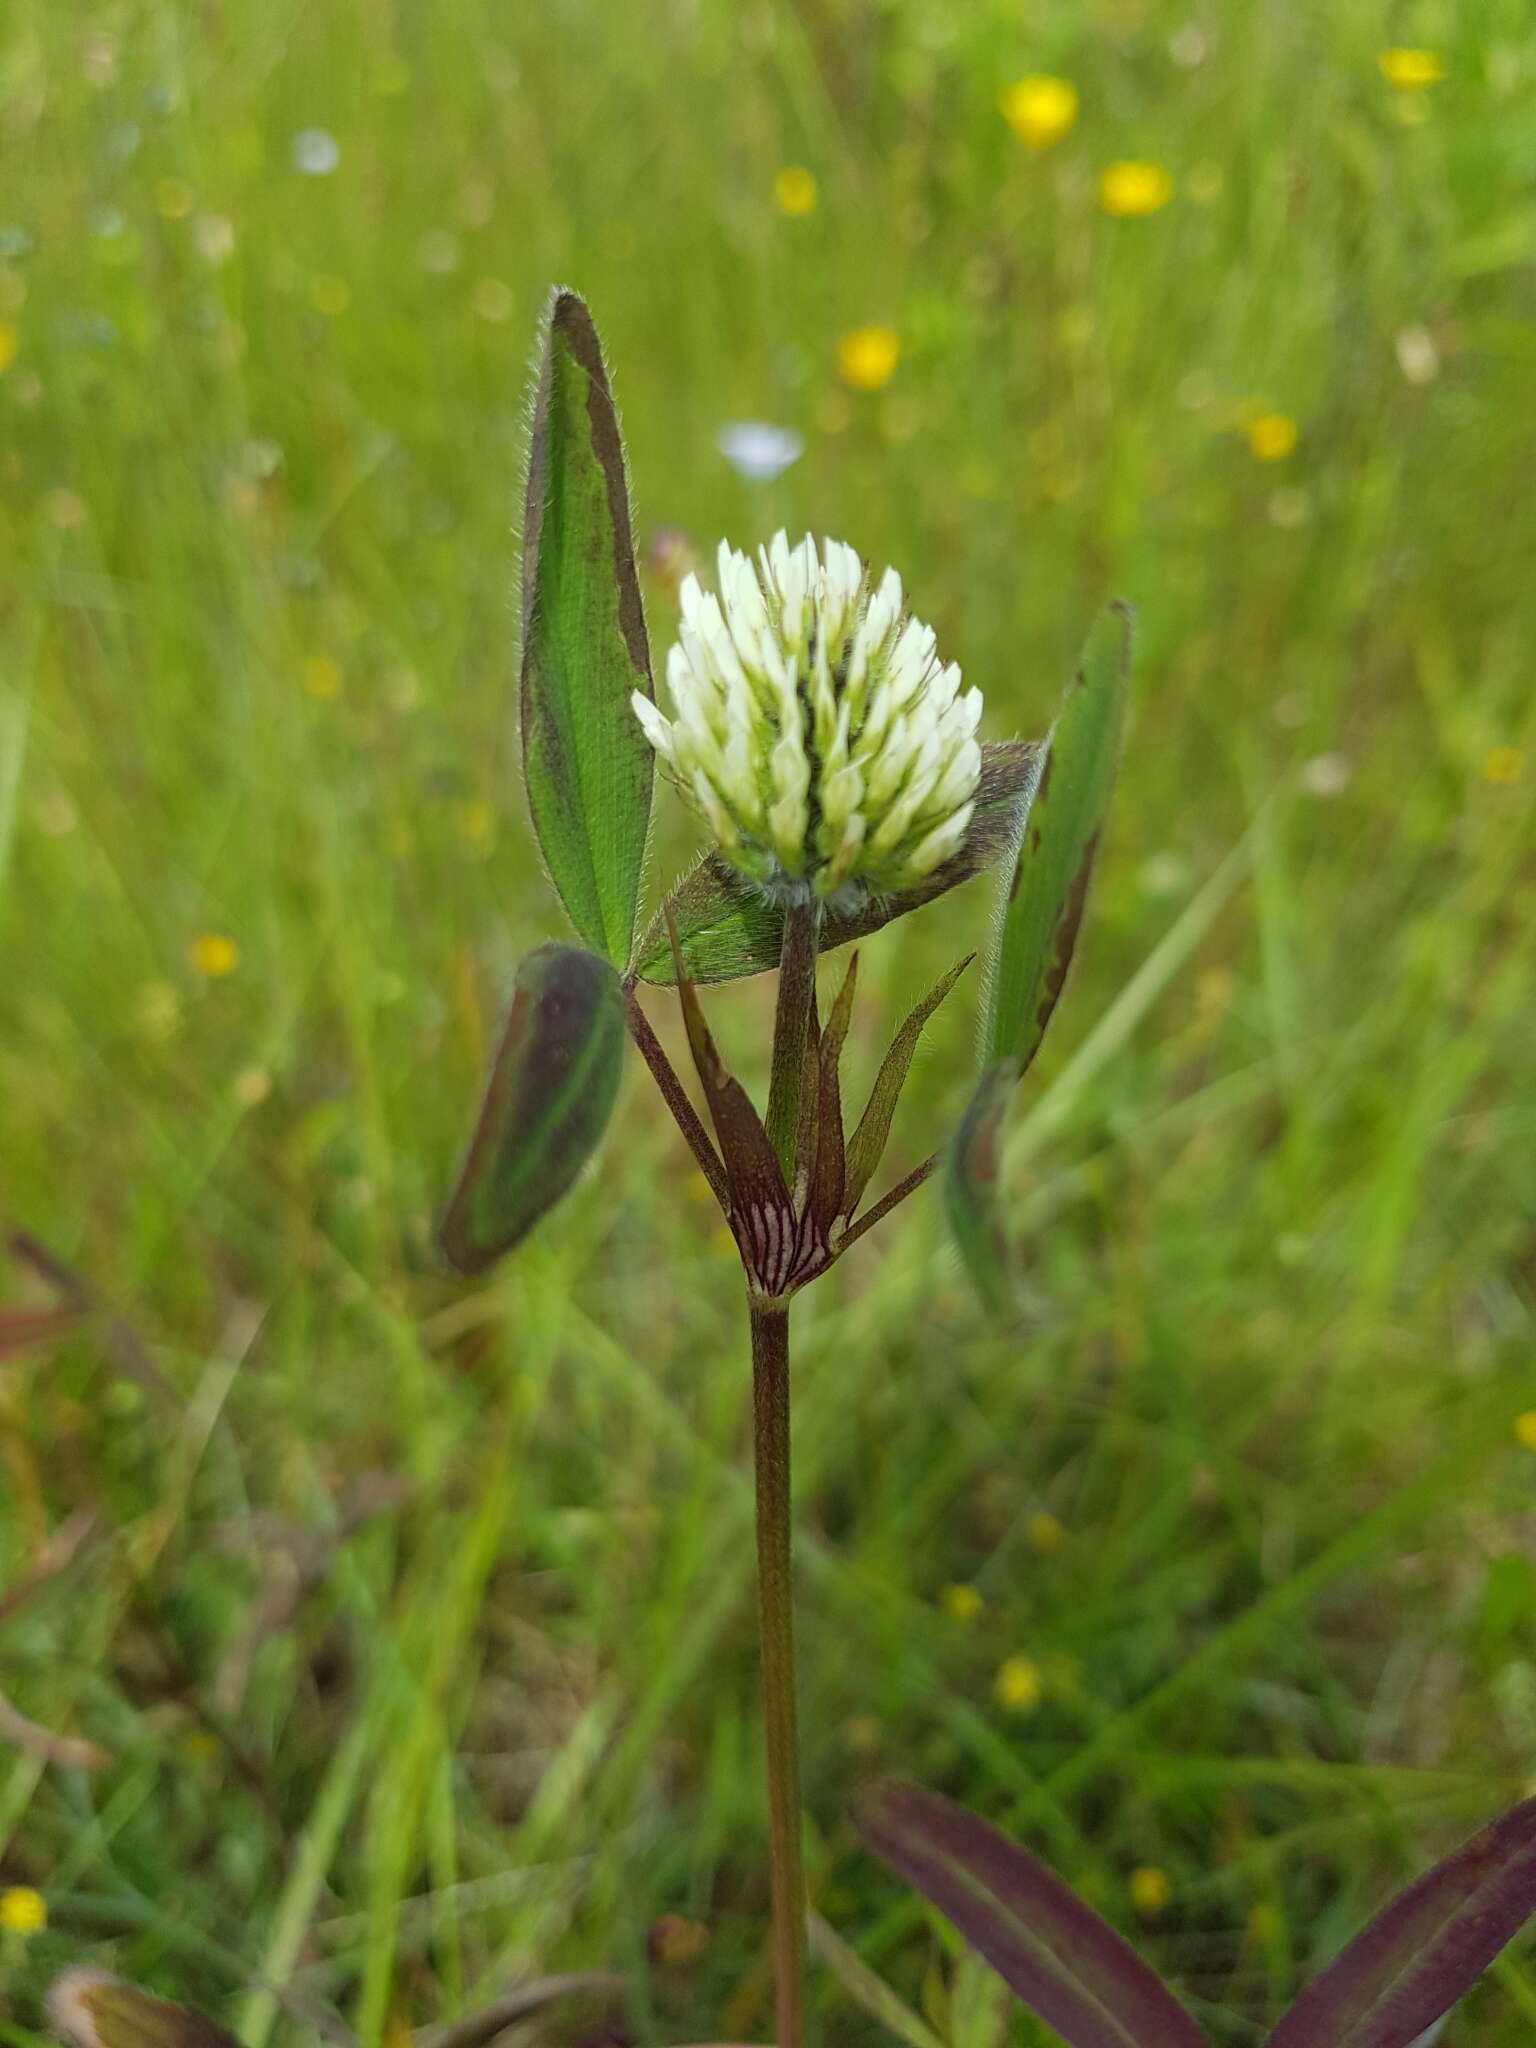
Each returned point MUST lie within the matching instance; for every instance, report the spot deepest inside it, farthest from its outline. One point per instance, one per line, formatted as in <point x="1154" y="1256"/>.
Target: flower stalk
<point x="776" y="1647"/>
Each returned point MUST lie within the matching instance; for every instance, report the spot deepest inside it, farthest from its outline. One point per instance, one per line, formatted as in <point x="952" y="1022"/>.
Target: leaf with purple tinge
<point x="1045" y="886"/>
<point x="1067" y="1965"/>
<point x="866" y="1148"/>
<point x="1425" y="1949"/>
<point x="94" y="2010"/>
<point x="547" y="1103"/>
<point x="727" y="928"/>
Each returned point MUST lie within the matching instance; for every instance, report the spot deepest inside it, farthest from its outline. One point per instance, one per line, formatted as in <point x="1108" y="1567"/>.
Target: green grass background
<point x="1279" y="1220"/>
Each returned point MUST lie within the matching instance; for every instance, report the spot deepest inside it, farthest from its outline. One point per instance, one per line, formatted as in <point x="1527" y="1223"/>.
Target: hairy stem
<point x="791" y="1027"/>
<point x="776" y="1632"/>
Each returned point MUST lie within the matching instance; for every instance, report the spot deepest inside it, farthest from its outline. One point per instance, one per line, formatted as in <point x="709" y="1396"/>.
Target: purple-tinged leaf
<point x="971" y="1163"/>
<point x="866" y="1148"/>
<point x="728" y="928"/>
<point x="761" y="1214"/>
<point x="587" y="764"/>
<point x="1067" y="1965"/>
<point x="94" y="2010"/>
<point x="1425" y="1949"/>
<point x="1045" y="886"/>
<point x="548" y="1101"/>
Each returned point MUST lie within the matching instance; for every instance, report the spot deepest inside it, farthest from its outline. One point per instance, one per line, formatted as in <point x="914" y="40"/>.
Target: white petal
<point x="936" y="847"/>
<point x="658" y="728"/>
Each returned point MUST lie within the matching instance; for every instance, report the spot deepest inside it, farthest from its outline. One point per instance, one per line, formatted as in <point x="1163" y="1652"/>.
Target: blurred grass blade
<point x="1116" y="1024"/>
<point x="866" y="1148"/>
<point x="727" y="929"/>
<point x="971" y="1164"/>
<point x="97" y="2011"/>
<point x="1042" y="909"/>
<point x="1425" y="1949"/>
<point x="547" y="1103"/>
<point x="587" y="764"/>
<point x="1067" y="1965"/>
<point x="866" y="1987"/>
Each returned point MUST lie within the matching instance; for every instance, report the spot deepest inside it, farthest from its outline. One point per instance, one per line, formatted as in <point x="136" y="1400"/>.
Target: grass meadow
<point x="411" y="1628"/>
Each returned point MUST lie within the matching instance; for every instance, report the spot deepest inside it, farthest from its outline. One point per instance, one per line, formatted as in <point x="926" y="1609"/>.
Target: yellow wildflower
<point x="322" y="676"/>
<point x="961" y="1603"/>
<point x="1039" y="109"/>
<point x="1525" y="1429"/>
<point x="1410" y="70"/>
<point x="1266" y="1923"/>
<point x="477" y="823"/>
<point x="330" y="296"/>
<point x="214" y="955"/>
<point x="10" y="342"/>
<point x="173" y="199"/>
<point x="22" y="1910"/>
<point x="1503" y="764"/>
<point x="494" y="300"/>
<point x="1150" y="1890"/>
<point x="1130" y="190"/>
<point x="867" y="357"/>
<point x="794" y="190"/>
<point x="675" y="1940"/>
<point x="1273" y="436"/>
<point x="252" y="1086"/>
<point x="1017" y="1685"/>
<point x="1046" y="1533"/>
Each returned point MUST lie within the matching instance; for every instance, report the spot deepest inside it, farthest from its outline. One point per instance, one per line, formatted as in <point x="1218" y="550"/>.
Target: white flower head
<point x="814" y="728"/>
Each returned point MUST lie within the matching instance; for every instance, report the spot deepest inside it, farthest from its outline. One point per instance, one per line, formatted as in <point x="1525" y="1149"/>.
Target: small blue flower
<point x="315" y="152"/>
<point x="757" y="450"/>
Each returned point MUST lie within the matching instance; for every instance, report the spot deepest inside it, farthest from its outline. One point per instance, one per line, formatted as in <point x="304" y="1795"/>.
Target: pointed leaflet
<point x="1057" y="1955"/>
<point x="1425" y="1949"/>
<point x="970" y="1187"/>
<point x="727" y="928"/>
<point x="547" y="1103"/>
<point x="828" y="1178"/>
<point x="587" y="764"/>
<point x="97" y="2011"/>
<point x="1046" y="886"/>
<point x="866" y="1147"/>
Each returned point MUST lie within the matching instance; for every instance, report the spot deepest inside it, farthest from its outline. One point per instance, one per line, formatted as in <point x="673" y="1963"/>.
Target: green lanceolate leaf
<point x="587" y="764"/>
<point x="1045" y="886"/>
<point x="970" y="1187"/>
<point x="1066" y="1964"/>
<point x="97" y="2011"/>
<point x="1425" y="1949"/>
<point x="727" y="928"/>
<point x="866" y="1148"/>
<point x="829" y="1172"/>
<point x="550" y="1095"/>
